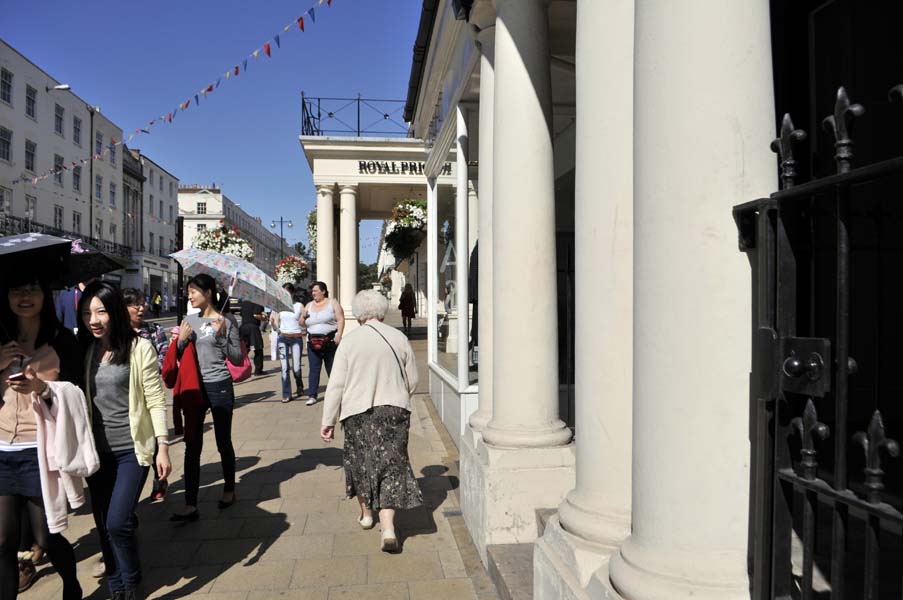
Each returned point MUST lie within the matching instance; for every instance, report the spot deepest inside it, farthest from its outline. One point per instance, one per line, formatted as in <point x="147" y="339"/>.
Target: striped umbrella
<point x="239" y="277"/>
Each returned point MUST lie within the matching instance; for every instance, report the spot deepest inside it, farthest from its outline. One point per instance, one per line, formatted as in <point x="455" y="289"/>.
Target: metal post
<point x="91" y="112"/>
<point x="180" y="236"/>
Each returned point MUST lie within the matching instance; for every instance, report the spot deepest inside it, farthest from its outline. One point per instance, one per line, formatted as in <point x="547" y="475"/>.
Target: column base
<point x="578" y="519"/>
<point x="641" y="573"/>
<point x="501" y="488"/>
<point x="563" y="564"/>
<point x="479" y="419"/>
<point x="557" y="435"/>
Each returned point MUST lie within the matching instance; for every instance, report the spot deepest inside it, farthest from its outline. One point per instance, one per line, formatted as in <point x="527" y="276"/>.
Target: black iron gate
<point x="826" y="392"/>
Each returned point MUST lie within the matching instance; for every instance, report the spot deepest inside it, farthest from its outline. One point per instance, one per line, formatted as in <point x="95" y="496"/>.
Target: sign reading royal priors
<point x="391" y="167"/>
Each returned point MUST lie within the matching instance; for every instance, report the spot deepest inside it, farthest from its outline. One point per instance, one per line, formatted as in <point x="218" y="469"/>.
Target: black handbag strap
<point x="395" y="354"/>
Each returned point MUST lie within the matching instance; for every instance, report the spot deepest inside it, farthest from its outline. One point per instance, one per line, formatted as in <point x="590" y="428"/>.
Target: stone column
<point x="595" y="516"/>
<point x="348" y="251"/>
<point x="525" y="380"/>
<point x="486" y="40"/>
<point x="704" y="114"/>
<point x="325" y="236"/>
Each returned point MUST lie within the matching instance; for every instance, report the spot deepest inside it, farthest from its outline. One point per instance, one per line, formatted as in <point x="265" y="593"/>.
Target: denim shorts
<point x="20" y="474"/>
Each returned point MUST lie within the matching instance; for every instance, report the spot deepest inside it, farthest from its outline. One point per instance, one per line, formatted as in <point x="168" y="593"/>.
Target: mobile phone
<point x="16" y="377"/>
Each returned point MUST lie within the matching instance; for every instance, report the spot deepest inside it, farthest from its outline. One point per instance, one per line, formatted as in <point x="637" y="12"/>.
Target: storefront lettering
<point x="383" y="167"/>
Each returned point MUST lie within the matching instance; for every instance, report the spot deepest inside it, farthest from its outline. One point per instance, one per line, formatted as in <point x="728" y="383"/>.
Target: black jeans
<point x="220" y="397"/>
<point x="251" y="336"/>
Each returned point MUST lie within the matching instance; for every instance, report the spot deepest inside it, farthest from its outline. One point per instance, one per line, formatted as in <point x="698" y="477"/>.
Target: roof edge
<point x="418" y="64"/>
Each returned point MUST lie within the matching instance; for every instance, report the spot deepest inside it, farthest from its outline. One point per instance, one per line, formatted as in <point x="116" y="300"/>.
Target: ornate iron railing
<point x="358" y="117"/>
<point x="809" y="322"/>
<point x="10" y="225"/>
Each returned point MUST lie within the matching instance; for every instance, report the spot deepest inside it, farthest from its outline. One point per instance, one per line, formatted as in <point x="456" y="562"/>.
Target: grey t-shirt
<point x="110" y="397"/>
<point x="213" y="350"/>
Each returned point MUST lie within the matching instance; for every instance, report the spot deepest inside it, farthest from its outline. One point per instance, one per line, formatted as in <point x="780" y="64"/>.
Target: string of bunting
<point x="308" y="17"/>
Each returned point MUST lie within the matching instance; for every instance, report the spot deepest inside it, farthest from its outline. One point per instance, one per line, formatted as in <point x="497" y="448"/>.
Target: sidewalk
<point x="292" y="534"/>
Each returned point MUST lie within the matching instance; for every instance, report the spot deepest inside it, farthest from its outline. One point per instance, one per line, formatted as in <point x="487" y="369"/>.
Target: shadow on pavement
<point x="435" y="486"/>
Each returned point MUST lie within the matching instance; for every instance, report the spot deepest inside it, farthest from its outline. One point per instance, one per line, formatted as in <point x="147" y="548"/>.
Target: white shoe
<point x="366" y="522"/>
<point x="311" y="401"/>
<point x="388" y="541"/>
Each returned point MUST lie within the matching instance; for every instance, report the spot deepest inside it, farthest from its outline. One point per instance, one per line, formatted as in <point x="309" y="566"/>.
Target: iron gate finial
<point x="840" y="125"/>
<point x="808" y="427"/>
<point x="872" y="442"/>
<point x="783" y="146"/>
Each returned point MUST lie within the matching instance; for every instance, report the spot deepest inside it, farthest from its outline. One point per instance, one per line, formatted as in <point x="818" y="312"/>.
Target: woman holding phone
<point x="34" y="349"/>
<point x="127" y="406"/>
<point x="216" y="342"/>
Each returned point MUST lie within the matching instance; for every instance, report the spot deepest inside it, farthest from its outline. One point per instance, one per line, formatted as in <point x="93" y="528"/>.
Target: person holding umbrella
<point x="34" y="349"/>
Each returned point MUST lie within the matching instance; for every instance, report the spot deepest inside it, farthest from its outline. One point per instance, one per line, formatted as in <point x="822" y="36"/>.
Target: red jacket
<point x="182" y="376"/>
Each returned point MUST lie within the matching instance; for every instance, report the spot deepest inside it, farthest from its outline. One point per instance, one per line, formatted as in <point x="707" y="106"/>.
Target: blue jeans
<point x="290" y="348"/>
<point x="114" y="495"/>
<point x="315" y="360"/>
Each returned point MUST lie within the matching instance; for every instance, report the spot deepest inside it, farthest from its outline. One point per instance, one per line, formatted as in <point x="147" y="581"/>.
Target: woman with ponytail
<point x="214" y="344"/>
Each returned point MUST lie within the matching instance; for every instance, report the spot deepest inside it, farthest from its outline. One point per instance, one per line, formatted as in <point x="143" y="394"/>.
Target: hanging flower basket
<point x="312" y="232"/>
<point x="406" y="228"/>
<point x="291" y="269"/>
<point x="224" y="240"/>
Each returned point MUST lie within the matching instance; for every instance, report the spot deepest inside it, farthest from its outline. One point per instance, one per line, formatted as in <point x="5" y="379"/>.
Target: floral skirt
<point x="376" y="459"/>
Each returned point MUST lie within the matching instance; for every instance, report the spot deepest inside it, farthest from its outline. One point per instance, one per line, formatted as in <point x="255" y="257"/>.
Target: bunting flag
<point x="169" y="117"/>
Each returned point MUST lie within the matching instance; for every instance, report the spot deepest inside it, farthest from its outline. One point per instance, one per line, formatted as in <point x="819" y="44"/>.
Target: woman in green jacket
<point x="127" y="405"/>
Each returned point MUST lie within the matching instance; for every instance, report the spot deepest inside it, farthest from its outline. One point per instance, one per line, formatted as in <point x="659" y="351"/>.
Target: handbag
<point x="243" y="371"/>
<point x="319" y="341"/>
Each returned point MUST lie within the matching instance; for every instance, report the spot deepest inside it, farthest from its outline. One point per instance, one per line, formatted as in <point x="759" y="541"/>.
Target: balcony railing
<point x="358" y="117"/>
<point x="10" y="225"/>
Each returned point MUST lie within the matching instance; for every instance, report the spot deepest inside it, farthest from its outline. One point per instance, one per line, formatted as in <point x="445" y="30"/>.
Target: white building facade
<point x="206" y="207"/>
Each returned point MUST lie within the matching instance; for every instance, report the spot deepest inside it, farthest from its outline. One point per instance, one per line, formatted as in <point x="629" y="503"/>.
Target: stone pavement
<point x="292" y="534"/>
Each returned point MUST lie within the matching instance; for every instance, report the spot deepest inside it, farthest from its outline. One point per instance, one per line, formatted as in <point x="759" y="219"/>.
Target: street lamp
<point x="63" y="87"/>
<point x="281" y="222"/>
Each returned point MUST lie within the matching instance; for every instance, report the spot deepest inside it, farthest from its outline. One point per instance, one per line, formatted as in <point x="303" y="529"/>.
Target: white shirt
<point x="288" y="319"/>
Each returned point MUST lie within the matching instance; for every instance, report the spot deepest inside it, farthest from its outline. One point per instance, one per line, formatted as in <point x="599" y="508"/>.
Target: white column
<point x="432" y="216"/>
<point x="348" y="251"/>
<point x="525" y="382"/>
<point x="480" y="418"/>
<point x="598" y="508"/>
<point x="325" y="236"/>
<point x="704" y="114"/>
<point x="462" y="246"/>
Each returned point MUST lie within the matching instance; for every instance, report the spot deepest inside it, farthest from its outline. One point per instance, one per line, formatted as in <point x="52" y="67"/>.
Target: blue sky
<point x="138" y="60"/>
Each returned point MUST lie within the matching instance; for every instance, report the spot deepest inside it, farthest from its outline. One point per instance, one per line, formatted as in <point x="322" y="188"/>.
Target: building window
<point x="98" y="187"/>
<point x="57" y="216"/>
<point x="31" y="204"/>
<point x="98" y="143"/>
<point x="170" y="189"/>
<point x="150" y="242"/>
<point x="77" y="131"/>
<point x="161" y="210"/>
<point x="150" y="205"/>
<point x="112" y="194"/>
<point x="76" y="179"/>
<point x="58" y="169"/>
<point x="202" y="227"/>
<point x="6" y="86"/>
<point x="152" y="177"/>
<point x="6" y="144"/>
<point x="113" y="154"/>
<point x="58" y="114"/>
<point x="30" y="150"/>
<point x="202" y="208"/>
<point x="6" y="196"/>
<point x="161" y="184"/>
<point x="98" y="228"/>
<point x="112" y="232"/>
<point x="170" y="215"/>
<point x="31" y="102"/>
<point x="161" y="246"/>
<point x="76" y="222"/>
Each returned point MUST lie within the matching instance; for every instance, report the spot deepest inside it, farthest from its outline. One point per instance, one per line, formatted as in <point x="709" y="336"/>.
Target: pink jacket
<point x="66" y="451"/>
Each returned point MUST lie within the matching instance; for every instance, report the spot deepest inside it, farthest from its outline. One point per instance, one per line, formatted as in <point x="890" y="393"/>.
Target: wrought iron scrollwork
<point x="873" y="441"/>
<point x="809" y="427"/>
<point x="840" y="125"/>
<point x="783" y="146"/>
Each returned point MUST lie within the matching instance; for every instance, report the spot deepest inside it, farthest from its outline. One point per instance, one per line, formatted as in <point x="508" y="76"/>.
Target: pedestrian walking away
<point x="34" y="349"/>
<point x="251" y="316"/>
<point x="289" y="342"/>
<point x="216" y="342"/>
<point x="369" y="391"/>
<point x="127" y="404"/>
<point x="325" y="322"/>
<point x="408" y="306"/>
<point x="152" y="332"/>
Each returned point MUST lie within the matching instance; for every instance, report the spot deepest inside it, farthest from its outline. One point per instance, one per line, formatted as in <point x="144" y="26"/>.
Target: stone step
<point x="511" y="570"/>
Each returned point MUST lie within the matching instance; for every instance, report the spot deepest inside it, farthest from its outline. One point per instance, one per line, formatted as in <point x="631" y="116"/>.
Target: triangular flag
<point x="174" y="113"/>
<point x="287" y="27"/>
<point x="131" y="136"/>
<point x="169" y="117"/>
<point x="196" y="101"/>
<point x="266" y="48"/>
<point x="276" y="39"/>
<point x="228" y="73"/>
<point x="328" y="2"/>
<point x="301" y="23"/>
<point x="255" y="53"/>
<point x="244" y="65"/>
<point x="145" y="130"/>
<point x="313" y="17"/>
<point x="321" y="2"/>
<point x="204" y="92"/>
<point x="210" y="88"/>
<point x="236" y="70"/>
<point x="218" y="79"/>
<point x="152" y="123"/>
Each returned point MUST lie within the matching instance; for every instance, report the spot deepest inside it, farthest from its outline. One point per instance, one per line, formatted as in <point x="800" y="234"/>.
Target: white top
<point x="288" y="319"/>
<point x="365" y="373"/>
<point x="322" y="322"/>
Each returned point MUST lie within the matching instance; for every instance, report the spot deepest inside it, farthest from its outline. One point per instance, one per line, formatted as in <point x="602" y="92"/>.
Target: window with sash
<point x="98" y="187"/>
<point x="76" y="179"/>
<point x="6" y="144"/>
<point x="59" y="114"/>
<point x="31" y="102"/>
<point x="77" y="131"/>
<point x="57" y="216"/>
<point x="6" y="86"/>
<point x="58" y="169"/>
<point x="30" y="150"/>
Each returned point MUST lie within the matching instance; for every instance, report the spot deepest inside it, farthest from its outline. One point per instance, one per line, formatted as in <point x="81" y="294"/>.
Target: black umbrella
<point x="87" y="263"/>
<point x="44" y="257"/>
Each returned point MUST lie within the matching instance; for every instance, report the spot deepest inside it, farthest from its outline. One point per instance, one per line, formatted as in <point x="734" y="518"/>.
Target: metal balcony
<point x="357" y="117"/>
<point x="10" y="225"/>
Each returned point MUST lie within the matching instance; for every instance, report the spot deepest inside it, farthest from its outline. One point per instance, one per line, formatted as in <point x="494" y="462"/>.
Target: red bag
<point x="243" y="371"/>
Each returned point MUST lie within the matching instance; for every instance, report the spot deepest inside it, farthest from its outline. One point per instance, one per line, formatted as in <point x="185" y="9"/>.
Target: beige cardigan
<point x="366" y="374"/>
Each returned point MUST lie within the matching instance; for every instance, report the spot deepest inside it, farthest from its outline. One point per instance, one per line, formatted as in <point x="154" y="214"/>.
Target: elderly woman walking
<point x="369" y="391"/>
